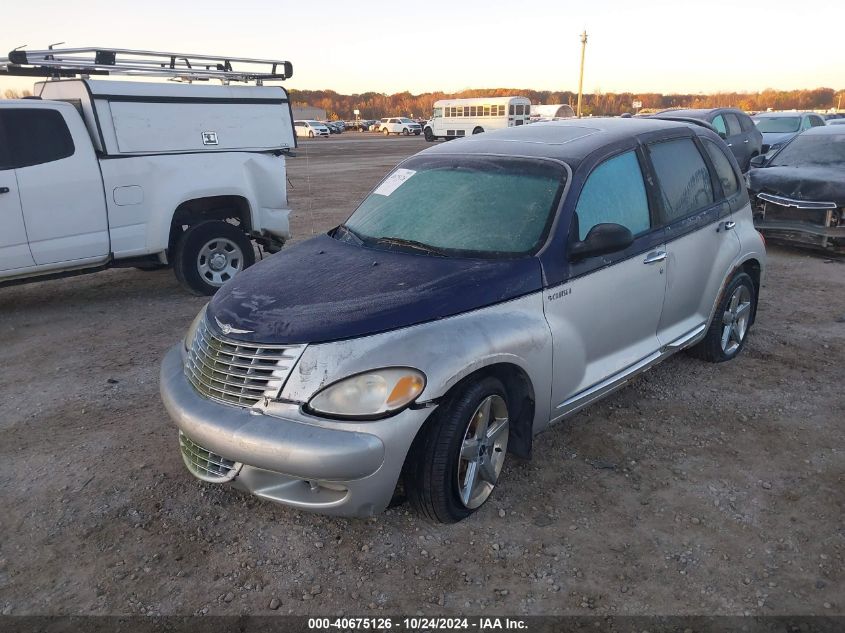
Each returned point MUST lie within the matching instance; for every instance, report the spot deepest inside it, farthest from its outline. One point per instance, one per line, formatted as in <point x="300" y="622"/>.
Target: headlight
<point x="192" y="331"/>
<point x="372" y="394"/>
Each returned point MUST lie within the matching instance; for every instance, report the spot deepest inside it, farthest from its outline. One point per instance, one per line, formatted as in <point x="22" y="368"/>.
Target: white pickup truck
<point x="98" y="173"/>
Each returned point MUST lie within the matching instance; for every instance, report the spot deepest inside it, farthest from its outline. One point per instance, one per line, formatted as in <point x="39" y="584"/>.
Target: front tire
<point x="209" y="254"/>
<point x="386" y="132"/>
<point x="405" y="131"/>
<point x="311" y="134"/>
<point x="478" y="130"/>
<point x="728" y="331"/>
<point x="429" y="135"/>
<point x="455" y="464"/>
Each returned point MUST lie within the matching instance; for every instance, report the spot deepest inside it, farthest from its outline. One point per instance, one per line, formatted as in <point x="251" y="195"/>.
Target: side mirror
<point x="722" y="135"/>
<point x="758" y="161"/>
<point x="601" y="240"/>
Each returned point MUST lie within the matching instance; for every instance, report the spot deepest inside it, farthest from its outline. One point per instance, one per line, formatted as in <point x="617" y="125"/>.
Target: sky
<point x="351" y="47"/>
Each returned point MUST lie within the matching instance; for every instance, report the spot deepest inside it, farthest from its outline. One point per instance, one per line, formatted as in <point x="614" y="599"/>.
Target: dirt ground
<point x="699" y="489"/>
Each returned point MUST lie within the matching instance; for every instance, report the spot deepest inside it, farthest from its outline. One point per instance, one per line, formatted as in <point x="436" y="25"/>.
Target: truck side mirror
<point x="602" y="239"/>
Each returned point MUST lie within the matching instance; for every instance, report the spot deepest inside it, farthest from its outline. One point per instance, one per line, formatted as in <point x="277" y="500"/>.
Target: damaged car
<point x="799" y="192"/>
<point x="484" y="290"/>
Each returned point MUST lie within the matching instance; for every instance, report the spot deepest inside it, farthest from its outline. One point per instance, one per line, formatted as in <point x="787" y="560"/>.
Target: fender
<point x="446" y="351"/>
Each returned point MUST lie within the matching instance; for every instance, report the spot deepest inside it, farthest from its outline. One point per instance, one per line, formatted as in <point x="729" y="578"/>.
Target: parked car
<point x="311" y="129"/>
<point x="485" y="289"/>
<point x="398" y="125"/>
<point x="779" y="127"/>
<point x="734" y="126"/>
<point x="98" y="174"/>
<point x="799" y="192"/>
<point x="335" y="127"/>
<point x="837" y="121"/>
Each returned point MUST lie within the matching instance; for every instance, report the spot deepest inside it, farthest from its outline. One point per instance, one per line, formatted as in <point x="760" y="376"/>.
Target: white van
<point x="311" y="128"/>
<point x="453" y="118"/>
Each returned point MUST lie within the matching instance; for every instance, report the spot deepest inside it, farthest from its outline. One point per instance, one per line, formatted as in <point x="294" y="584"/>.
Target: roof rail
<point x="73" y="62"/>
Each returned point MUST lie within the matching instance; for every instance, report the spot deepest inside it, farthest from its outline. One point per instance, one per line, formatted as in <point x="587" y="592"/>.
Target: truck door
<point x="14" y="250"/>
<point x="59" y="183"/>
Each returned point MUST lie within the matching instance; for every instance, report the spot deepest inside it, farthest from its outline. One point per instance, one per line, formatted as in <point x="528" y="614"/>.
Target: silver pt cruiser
<point x="485" y="289"/>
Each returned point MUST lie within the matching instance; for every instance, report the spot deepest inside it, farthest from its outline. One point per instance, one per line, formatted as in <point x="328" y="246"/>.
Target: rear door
<point x="604" y="318"/>
<point x="60" y="186"/>
<point x="737" y="140"/>
<point x="14" y="249"/>
<point x="701" y="244"/>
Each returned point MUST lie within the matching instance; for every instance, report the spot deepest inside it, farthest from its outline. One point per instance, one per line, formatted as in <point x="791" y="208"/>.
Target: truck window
<point x="36" y="136"/>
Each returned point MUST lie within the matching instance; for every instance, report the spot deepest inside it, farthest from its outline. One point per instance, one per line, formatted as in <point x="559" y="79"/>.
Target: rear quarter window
<point x="724" y="171"/>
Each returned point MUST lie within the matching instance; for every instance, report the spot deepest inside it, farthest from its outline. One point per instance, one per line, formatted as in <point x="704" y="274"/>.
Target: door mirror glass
<point x="602" y="239"/>
<point x="758" y="161"/>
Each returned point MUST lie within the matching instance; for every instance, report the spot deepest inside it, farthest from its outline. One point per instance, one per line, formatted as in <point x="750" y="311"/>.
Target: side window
<point x="734" y="128"/>
<point x="724" y="170"/>
<point x="746" y="122"/>
<point x="614" y="192"/>
<point x="805" y="123"/>
<point x="36" y="136"/>
<point x="816" y="121"/>
<point x="719" y="124"/>
<point x="683" y="177"/>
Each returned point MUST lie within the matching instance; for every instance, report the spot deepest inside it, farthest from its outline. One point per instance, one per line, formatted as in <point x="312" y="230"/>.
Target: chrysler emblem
<point x="228" y="329"/>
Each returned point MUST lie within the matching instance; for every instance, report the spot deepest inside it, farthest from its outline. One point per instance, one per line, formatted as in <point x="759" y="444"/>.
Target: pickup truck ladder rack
<point x="72" y="62"/>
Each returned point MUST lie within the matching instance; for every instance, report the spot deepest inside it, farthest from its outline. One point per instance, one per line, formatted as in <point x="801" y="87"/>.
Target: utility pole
<point x="581" y="77"/>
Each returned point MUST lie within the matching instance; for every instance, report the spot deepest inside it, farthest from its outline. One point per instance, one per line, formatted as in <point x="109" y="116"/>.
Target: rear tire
<point x="455" y="462"/>
<point x="728" y="331"/>
<point x="209" y="254"/>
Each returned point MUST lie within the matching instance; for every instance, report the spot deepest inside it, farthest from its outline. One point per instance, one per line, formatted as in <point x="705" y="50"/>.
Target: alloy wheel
<point x="735" y="320"/>
<point x="482" y="451"/>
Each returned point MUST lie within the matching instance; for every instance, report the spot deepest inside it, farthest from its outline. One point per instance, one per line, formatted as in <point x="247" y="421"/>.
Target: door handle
<point x="4" y="190"/>
<point x="727" y="226"/>
<point x="654" y="257"/>
<point x="745" y="141"/>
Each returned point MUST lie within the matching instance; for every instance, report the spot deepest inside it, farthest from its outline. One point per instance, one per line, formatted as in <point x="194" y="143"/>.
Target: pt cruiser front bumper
<point x="282" y="454"/>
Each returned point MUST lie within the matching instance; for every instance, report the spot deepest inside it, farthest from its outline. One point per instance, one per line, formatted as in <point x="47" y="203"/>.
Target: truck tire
<point x="209" y="254"/>
<point x="429" y="135"/>
<point x="455" y="463"/>
<point x="478" y="130"/>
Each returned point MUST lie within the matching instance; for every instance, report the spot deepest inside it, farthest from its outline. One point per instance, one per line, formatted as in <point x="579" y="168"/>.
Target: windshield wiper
<point x="356" y="238"/>
<point x="420" y="246"/>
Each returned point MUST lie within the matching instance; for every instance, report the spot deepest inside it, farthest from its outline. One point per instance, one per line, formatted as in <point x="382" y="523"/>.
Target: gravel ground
<point x="698" y="489"/>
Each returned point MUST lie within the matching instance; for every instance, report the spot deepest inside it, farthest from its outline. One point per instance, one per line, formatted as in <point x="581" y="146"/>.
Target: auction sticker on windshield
<point x="394" y="181"/>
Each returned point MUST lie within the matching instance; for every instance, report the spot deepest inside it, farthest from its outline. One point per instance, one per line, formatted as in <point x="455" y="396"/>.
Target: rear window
<point x="35" y="136"/>
<point x="684" y="180"/>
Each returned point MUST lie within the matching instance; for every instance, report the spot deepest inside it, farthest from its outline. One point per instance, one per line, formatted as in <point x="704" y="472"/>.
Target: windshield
<point x="462" y="206"/>
<point x="812" y="149"/>
<point x="778" y="124"/>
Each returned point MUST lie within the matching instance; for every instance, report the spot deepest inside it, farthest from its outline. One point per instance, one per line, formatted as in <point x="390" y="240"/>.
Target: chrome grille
<point x="204" y="464"/>
<point x="238" y="373"/>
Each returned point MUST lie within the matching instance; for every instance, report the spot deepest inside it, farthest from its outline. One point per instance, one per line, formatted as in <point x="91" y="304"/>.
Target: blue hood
<point x="325" y="290"/>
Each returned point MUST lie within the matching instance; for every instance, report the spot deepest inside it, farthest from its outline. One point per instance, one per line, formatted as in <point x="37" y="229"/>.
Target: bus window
<point x="511" y="110"/>
<point x="486" y="111"/>
<point x="519" y="109"/>
<point x="438" y="112"/>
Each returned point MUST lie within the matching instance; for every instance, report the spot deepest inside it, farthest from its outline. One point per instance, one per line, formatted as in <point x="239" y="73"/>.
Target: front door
<point x="14" y="249"/>
<point x="604" y="319"/>
<point x="59" y="183"/>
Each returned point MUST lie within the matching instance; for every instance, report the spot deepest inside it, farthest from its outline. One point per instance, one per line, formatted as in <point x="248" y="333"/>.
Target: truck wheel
<point x="478" y="130"/>
<point x="729" y="329"/>
<point x="429" y="135"/>
<point x="454" y="466"/>
<point x="209" y="254"/>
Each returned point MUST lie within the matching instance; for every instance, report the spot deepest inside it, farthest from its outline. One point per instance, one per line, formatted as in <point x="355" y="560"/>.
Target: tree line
<point x="374" y="105"/>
